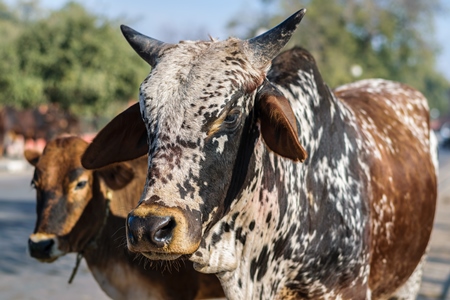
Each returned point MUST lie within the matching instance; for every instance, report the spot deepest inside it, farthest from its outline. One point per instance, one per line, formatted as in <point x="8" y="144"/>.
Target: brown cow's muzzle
<point x="44" y="247"/>
<point x="160" y="232"/>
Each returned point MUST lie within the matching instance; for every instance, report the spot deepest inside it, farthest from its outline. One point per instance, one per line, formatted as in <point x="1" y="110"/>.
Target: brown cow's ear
<point x="124" y="138"/>
<point x="116" y="176"/>
<point x="278" y="124"/>
<point x="32" y="156"/>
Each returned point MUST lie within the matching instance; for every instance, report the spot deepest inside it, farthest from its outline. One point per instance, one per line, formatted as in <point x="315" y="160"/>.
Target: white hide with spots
<point x="335" y="226"/>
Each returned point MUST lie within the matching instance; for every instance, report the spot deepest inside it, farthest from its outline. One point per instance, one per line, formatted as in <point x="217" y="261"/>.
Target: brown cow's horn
<point x="267" y="45"/>
<point x="147" y="48"/>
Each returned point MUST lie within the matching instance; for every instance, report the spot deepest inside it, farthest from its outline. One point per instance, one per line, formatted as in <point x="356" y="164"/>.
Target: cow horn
<point x="266" y="46"/>
<point x="147" y="48"/>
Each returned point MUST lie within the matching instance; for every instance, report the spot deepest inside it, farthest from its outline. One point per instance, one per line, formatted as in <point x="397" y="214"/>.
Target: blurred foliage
<point x="69" y="57"/>
<point x="390" y="39"/>
<point x="80" y="61"/>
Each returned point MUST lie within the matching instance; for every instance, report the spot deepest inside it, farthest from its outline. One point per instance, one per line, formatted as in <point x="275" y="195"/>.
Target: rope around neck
<point x="75" y="269"/>
<point x="92" y="244"/>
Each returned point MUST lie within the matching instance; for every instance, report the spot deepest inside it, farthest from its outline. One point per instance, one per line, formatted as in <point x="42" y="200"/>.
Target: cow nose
<point x="154" y="229"/>
<point x="41" y="249"/>
<point x="162" y="230"/>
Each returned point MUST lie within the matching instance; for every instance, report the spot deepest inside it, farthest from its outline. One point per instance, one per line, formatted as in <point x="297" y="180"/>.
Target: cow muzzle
<point x="163" y="233"/>
<point x="44" y="247"/>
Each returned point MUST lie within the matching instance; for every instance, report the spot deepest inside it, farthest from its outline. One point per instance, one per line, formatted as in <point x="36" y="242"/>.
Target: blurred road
<point x="22" y="277"/>
<point x="436" y="279"/>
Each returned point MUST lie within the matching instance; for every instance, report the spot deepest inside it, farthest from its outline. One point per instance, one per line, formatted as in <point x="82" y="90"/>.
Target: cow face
<point x="67" y="217"/>
<point x="204" y="107"/>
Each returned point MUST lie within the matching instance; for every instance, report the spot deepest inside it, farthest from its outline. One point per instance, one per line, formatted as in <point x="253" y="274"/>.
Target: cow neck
<point x="320" y="118"/>
<point x="93" y="243"/>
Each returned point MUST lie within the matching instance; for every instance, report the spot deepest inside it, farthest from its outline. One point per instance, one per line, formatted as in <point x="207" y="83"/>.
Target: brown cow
<point x="84" y="211"/>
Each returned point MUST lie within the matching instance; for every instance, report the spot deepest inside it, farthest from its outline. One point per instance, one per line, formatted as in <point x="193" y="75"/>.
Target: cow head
<point x="205" y="106"/>
<point x="67" y="215"/>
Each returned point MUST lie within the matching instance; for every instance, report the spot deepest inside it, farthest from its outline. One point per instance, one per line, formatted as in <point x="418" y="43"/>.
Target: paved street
<point x="22" y="277"/>
<point x="436" y="279"/>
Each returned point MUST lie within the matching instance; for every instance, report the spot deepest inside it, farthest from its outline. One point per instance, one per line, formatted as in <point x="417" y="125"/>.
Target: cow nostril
<point x="163" y="231"/>
<point x="132" y="224"/>
<point x="48" y="246"/>
<point x="155" y="231"/>
<point x="131" y="238"/>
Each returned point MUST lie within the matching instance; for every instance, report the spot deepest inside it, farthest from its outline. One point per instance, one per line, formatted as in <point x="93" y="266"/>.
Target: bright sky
<point x="443" y="38"/>
<point x="172" y="20"/>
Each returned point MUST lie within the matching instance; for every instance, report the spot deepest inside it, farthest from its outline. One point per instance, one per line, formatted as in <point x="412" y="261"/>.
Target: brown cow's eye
<point x="80" y="185"/>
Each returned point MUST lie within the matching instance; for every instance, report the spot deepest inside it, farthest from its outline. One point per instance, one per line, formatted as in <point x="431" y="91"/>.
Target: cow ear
<point x="32" y="156"/>
<point x="116" y="176"/>
<point x="122" y="139"/>
<point x="278" y="124"/>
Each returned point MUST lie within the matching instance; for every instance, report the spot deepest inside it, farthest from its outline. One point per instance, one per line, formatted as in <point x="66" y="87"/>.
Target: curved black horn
<point x="267" y="45"/>
<point x="147" y="48"/>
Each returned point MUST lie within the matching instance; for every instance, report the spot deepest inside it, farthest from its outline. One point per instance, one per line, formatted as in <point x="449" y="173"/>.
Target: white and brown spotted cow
<point x="262" y="175"/>
<point x="84" y="211"/>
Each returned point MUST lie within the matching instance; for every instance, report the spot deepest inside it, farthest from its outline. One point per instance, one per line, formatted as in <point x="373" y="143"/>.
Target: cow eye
<point x="80" y="184"/>
<point x="233" y="118"/>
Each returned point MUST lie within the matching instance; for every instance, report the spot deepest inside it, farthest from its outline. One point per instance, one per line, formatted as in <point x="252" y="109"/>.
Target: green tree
<point x="74" y="59"/>
<point x="390" y="39"/>
<point x="10" y="28"/>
